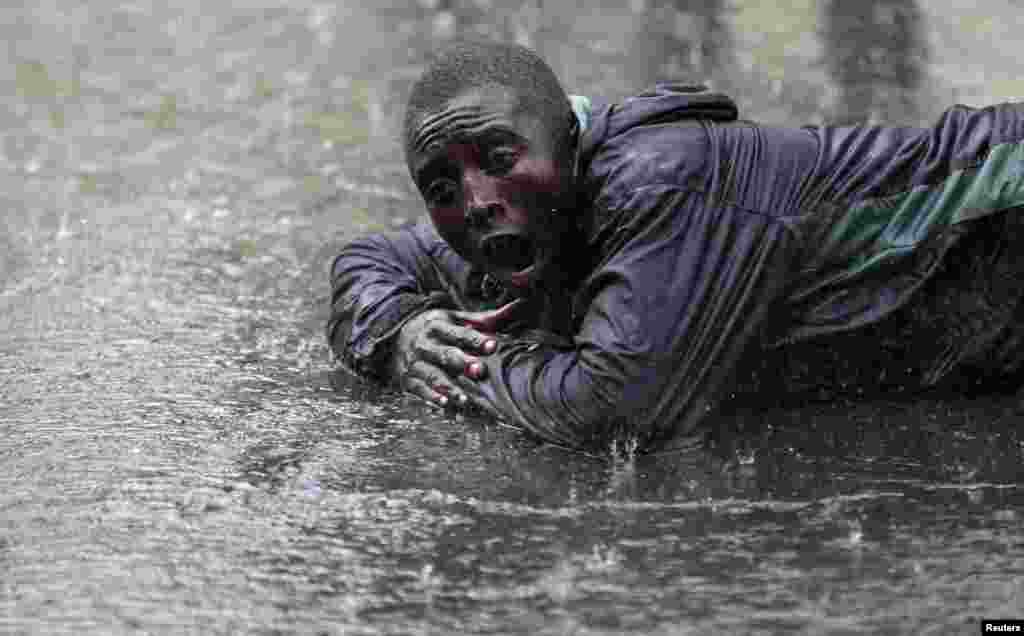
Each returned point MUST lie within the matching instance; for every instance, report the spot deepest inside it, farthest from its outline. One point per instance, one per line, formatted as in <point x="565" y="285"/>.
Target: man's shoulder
<point x="672" y="154"/>
<point x="656" y="138"/>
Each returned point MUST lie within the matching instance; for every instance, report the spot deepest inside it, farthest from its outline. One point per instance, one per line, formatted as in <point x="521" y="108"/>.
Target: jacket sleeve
<point x="378" y="283"/>
<point x="667" y="316"/>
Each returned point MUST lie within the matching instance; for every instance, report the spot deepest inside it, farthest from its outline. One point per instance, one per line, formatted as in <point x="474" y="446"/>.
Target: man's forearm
<point x="379" y="282"/>
<point x="367" y="351"/>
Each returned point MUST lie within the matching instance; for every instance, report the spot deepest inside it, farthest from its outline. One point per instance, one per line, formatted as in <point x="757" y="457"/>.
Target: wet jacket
<point x="706" y="238"/>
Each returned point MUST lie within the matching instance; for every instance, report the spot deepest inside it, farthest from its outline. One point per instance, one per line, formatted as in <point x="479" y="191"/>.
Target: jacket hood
<point x="663" y="103"/>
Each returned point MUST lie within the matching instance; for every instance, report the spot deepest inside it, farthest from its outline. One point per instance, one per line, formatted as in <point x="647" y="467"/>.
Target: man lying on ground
<point x="634" y="252"/>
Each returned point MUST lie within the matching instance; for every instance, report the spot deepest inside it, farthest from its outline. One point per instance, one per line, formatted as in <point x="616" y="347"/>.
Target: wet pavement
<point x="178" y="457"/>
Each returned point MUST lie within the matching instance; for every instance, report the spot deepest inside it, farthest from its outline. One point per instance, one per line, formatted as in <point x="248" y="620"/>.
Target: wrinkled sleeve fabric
<point x="378" y="283"/>
<point x="889" y="204"/>
<point x="667" y="315"/>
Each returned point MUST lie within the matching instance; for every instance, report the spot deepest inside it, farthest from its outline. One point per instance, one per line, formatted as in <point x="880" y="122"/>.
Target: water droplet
<point x="231" y="270"/>
<point x="311" y="488"/>
<point x="856" y="533"/>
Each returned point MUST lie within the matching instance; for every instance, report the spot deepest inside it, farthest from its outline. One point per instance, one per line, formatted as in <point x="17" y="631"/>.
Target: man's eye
<point x="441" y="192"/>
<point x="501" y="160"/>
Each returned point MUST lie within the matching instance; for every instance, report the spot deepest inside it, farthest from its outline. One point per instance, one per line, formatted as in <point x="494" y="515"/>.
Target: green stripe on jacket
<point x="874" y="233"/>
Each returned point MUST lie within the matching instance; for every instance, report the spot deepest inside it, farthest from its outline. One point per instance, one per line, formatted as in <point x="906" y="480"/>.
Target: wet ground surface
<point x="176" y="456"/>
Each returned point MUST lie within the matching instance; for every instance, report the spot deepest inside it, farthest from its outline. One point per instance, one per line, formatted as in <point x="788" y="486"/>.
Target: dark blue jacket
<point x="707" y="238"/>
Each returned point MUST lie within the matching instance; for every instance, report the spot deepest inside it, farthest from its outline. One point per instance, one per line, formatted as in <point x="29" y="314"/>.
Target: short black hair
<point x="470" y="64"/>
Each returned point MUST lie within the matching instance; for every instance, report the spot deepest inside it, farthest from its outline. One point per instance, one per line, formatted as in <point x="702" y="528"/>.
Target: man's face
<point x="492" y="183"/>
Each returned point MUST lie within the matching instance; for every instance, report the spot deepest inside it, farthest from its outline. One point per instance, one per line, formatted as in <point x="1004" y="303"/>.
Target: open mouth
<point x="509" y="252"/>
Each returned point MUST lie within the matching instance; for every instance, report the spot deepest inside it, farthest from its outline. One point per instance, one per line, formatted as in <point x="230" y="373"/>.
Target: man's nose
<point x="482" y="200"/>
<point x="481" y="217"/>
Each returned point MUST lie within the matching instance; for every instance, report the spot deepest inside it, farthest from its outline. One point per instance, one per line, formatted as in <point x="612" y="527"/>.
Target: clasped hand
<point x="436" y="355"/>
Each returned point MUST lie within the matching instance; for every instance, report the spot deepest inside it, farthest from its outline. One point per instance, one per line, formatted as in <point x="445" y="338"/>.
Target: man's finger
<point x="438" y="382"/>
<point x="475" y="396"/>
<point x="466" y="338"/>
<point x="422" y="389"/>
<point x="453" y="360"/>
<point x="491" y="321"/>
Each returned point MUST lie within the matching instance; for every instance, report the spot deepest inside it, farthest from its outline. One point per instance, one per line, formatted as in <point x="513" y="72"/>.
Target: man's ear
<point x="574" y="129"/>
<point x="567" y="145"/>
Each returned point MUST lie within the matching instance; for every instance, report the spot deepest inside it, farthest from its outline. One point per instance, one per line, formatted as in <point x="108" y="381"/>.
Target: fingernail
<point x="476" y="368"/>
<point x="490" y="346"/>
<point x="443" y="400"/>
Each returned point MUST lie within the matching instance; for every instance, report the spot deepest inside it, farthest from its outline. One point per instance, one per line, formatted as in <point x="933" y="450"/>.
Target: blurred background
<point x="795" y="61"/>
